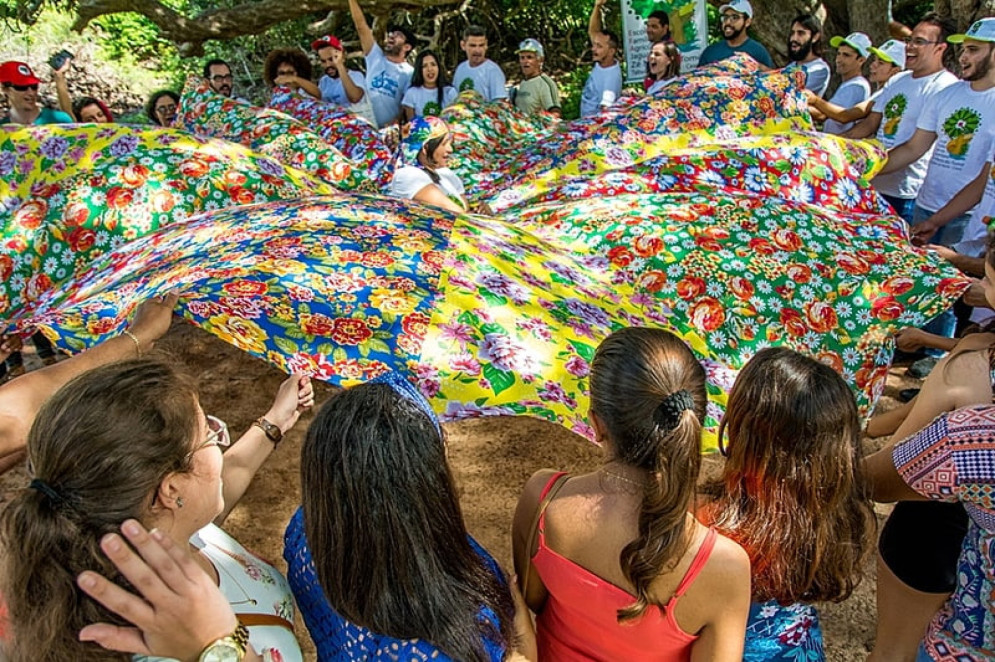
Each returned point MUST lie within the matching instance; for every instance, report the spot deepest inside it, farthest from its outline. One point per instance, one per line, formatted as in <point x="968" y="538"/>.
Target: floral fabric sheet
<point x="744" y="231"/>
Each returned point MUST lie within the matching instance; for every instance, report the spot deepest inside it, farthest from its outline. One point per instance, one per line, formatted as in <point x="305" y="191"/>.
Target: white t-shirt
<point x="386" y="83"/>
<point x="900" y="104"/>
<point x="816" y="76"/>
<point x="964" y="123"/>
<point x="425" y="101"/>
<point x="659" y="85"/>
<point x="486" y="78"/>
<point x="847" y="95"/>
<point x="601" y="89"/>
<point x="409" y="180"/>
<point x="333" y="91"/>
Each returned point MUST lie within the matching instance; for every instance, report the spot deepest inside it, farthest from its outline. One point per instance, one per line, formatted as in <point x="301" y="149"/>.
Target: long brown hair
<point x="385" y="529"/>
<point x="98" y="450"/>
<point x="792" y="492"/>
<point x="635" y="373"/>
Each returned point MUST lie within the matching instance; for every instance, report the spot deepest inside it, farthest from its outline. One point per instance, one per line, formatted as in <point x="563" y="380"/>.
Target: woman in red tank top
<point x="612" y="562"/>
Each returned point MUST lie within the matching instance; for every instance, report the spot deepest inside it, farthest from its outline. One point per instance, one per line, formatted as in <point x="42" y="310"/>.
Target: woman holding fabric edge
<point x="129" y="441"/>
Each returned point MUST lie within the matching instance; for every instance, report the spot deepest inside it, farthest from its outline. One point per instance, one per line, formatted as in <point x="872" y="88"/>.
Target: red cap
<point x="324" y="42"/>
<point x="17" y="73"/>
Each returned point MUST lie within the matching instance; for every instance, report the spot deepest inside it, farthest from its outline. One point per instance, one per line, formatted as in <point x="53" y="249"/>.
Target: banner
<point x="688" y="29"/>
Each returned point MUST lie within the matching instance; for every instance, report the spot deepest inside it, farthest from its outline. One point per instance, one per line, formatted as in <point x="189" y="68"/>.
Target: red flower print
<point x="416" y="324"/>
<point x="75" y="214"/>
<point x="887" y="308"/>
<point x="377" y="259"/>
<point x="799" y="273"/>
<point x="787" y="240"/>
<point x="647" y="246"/>
<point x="897" y="285"/>
<point x="82" y="239"/>
<point x="690" y="287"/>
<point x="320" y="325"/>
<point x="120" y="197"/>
<point x="30" y="215"/>
<point x="620" y="256"/>
<point x="793" y="322"/>
<point x="349" y="331"/>
<point x="134" y="175"/>
<point x="653" y="281"/>
<point x="245" y="288"/>
<point x="707" y="314"/>
<point x="741" y="287"/>
<point x="821" y="316"/>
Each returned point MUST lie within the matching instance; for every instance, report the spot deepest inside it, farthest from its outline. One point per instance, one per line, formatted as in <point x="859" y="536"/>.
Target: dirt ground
<point x="492" y="459"/>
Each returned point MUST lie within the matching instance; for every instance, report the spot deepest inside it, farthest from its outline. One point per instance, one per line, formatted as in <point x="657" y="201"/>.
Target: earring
<point x="179" y="502"/>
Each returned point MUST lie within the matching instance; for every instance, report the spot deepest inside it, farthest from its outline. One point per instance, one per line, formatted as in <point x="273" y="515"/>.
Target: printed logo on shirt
<point x="960" y="127"/>
<point x="432" y="108"/>
<point x="893" y="112"/>
<point x="467" y="84"/>
<point x="384" y="84"/>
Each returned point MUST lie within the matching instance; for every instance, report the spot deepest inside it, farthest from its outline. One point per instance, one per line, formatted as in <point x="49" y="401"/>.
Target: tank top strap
<point x="699" y="561"/>
<point x="545" y="497"/>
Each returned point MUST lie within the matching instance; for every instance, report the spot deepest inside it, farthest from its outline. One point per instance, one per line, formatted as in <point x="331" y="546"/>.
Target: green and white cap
<point x="858" y="41"/>
<point x="983" y="30"/>
<point x="891" y="51"/>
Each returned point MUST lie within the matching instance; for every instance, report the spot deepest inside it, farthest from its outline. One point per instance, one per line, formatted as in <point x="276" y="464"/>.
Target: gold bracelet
<point x="134" y="339"/>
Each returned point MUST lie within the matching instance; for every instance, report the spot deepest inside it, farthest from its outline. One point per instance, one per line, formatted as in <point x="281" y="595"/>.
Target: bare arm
<point x="21" y="398"/>
<point x="247" y="454"/>
<point x="62" y="91"/>
<point x="974" y="266"/>
<point x="409" y="113"/>
<point x="352" y="91"/>
<point x="521" y="531"/>
<point x="839" y="113"/>
<point x="594" y="26"/>
<point x="366" y="40"/>
<point x="727" y="578"/>
<point x="295" y="82"/>
<point x="866" y="127"/>
<point x="909" y="151"/>
<point x="911" y="339"/>
<point x="961" y="203"/>
<point x="434" y="196"/>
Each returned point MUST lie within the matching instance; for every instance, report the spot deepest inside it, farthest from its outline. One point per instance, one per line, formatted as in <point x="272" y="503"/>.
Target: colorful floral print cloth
<point x="736" y="235"/>
<point x="783" y="633"/>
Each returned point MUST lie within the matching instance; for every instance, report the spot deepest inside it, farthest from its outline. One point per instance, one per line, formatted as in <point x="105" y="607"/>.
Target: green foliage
<point x="571" y="85"/>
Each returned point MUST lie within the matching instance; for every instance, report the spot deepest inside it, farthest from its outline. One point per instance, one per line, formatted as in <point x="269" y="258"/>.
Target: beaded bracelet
<point x="134" y="339"/>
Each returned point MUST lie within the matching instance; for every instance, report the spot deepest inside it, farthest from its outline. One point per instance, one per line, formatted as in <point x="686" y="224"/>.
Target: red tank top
<point x="579" y="620"/>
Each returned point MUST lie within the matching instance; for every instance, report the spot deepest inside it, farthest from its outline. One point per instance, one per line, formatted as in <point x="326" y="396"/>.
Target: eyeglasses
<point x="166" y="110"/>
<point x="919" y="42"/>
<point x="220" y="79"/>
<point x="217" y="434"/>
<point x="25" y="88"/>
<point x="731" y="18"/>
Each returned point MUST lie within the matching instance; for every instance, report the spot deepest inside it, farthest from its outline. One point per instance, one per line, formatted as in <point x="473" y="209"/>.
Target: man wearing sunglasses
<point x="20" y="86"/>
<point x="736" y="17"/>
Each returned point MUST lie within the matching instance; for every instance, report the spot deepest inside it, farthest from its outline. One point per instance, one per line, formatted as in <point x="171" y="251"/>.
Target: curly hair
<point x="295" y="57"/>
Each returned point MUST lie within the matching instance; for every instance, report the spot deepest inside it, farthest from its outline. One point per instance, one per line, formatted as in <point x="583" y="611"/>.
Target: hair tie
<point x="668" y="413"/>
<point x="46" y="489"/>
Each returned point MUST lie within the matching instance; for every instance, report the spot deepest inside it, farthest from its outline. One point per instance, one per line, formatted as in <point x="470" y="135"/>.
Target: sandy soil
<point x="492" y="459"/>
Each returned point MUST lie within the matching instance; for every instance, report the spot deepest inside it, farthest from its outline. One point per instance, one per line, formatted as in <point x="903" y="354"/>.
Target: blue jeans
<point x="949" y="234"/>
<point x="903" y="206"/>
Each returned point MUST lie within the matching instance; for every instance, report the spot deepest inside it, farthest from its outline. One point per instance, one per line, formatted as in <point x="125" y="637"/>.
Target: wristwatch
<point x="273" y="432"/>
<point x="227" y="649"/>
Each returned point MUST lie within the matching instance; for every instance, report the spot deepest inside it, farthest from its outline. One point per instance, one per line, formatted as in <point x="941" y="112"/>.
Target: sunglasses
<point x="25" y="88"/>
<point x="165" y="110"/>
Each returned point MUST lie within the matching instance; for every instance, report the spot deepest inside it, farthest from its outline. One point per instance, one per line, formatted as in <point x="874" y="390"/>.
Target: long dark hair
<point x="674" y="53"/>
<point x="793" y="492"/>
<point x="100" y="447"/>
<point x="418" y="79"/>
<point x="384" y="526"/>
<point x="634" y="371"/>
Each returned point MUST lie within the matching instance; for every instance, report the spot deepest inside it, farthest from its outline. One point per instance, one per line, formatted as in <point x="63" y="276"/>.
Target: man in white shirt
<point x="805" y="48"/>
<point x="605" y="82"/>
<point x="387" y="70"/>
<point x="896" y="111"/>
<point x="477" y="72"/>
<point x="851" y="53"/>
<point x="339" y="85"/>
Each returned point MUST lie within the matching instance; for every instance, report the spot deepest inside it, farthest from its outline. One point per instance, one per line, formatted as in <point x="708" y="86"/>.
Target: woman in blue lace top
<point x="378" y="557"/>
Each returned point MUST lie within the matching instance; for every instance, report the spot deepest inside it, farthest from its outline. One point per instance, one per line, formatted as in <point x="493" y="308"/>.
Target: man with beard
<point x="959" y="125"/>
<point x="851" y="53"/>
<point x="736" y="17"/>
<point x="388" y="73"/>
<point x="218" y="76"/>
<point x="341" y="86"/>
<point x="605" y="82"/>
<point x="805" y="48"/>
<point x="895" y="112"/>
<point x="478" y="72"/>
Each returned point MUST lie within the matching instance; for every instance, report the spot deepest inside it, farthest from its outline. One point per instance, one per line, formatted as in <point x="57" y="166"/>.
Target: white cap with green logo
<point x="983" y="30"/>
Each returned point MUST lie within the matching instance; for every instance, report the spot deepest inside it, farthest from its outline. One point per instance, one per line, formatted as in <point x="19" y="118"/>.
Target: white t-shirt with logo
<point x="386" y="83"/>
<point x="901" y="103"/>
<point x="332" y="91"/>
<point x="409" y="180"/>
<point x="964" y="123"/>
<point x="425" y="101"/>
<point x="601" y="89"/>
<point x="486" y="78"/>
<point x="847" y="95"/>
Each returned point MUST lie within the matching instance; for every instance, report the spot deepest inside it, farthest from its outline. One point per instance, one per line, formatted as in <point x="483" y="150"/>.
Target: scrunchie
<point x="668" y="413"/>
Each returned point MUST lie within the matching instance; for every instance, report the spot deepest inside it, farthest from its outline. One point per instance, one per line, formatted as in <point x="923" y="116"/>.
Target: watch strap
<point x="273" y="432"/>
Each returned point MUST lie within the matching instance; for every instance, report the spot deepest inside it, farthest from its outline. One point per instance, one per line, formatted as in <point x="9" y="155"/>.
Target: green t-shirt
<point x="537" y="94"/>
<point x="47" y="116"/>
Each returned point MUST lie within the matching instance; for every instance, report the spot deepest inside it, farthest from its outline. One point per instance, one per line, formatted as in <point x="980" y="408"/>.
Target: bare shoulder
<point x="529" y="499"/>
<point x="728" y="565"/>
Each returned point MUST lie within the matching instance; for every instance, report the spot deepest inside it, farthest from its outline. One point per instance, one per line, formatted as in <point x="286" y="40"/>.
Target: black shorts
<point x="921" y="542"/>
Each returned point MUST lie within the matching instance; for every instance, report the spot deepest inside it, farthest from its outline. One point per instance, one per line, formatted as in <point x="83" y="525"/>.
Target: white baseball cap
<point x="739" y="6"/>
<point x="858" y="41"/>
<point x="891" y="51"/>
<point x="532" y="46"/>
<point x="983" y="30"/>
